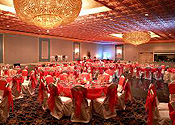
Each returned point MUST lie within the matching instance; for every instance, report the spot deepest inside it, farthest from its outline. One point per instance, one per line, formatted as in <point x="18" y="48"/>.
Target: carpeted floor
<point x="29" y="111"/>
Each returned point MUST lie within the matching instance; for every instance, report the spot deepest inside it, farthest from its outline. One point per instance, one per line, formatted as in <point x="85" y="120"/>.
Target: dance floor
<point x="29" y="111"/>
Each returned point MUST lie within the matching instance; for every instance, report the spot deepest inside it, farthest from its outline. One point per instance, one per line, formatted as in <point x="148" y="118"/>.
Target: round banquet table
<point x="93" y="92"/>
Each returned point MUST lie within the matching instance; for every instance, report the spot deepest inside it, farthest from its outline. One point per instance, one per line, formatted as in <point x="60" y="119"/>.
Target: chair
<point x="29" y="85"/>
<point x="43" y="95"/>
<point x="171" y="87"/>
<point x="123" y="92"/>
<point x="59" y="106"/>
<point x="148" y="74"/>
<point x="5" y="103"/>
<point x="16" y="87"/>
<point x="81" y="107"/>
<point x="24" y="74"/>
<point x="49" y="79"/>
<point x="171" y="106"/>
<point x="158" y="74"/>
<point x="105" y="106"/>
<point x="158" y="113"/>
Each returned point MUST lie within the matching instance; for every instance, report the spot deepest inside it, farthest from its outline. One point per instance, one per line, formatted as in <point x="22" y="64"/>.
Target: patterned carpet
<point x="29" y="111"/>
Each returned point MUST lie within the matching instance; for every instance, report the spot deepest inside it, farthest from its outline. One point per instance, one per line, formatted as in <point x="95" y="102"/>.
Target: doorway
<point x="145" y="57"/>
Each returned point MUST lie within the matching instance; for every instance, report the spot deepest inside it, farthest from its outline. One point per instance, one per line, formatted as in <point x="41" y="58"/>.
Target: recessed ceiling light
<point x="146" y="14"/>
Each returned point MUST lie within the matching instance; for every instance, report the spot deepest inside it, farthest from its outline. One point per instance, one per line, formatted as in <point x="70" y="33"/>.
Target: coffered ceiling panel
<point x="156" y="16"/>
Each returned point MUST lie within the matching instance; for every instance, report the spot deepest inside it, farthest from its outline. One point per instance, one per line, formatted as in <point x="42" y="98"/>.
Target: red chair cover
<point x="42" y="88"/>
<point x="151" y="103"/>
<point x="3" y="84"/>
<point x="51" y="100"/>
<point x="6" y="72"/>
<point x="171" y="113"/>
<point x="148" y="72"/>
<point x="121" y="81"/>
<point x="127" y="88"/>
<point x="78" y="93"/>
<point x="49" y="79"/>
<point x="33" y="80"/>
<point x="63" y="76"/>
<point x="138" y="72"/>
<point x="18" y="80"/>
<point x="171" y="88"/>
<point x="25" y="73"/>
<point x="112" y="94"/>
<point x="8" y="93"/>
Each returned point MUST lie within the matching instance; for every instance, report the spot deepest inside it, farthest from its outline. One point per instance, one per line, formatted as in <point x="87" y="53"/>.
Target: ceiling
<point x="120" y="16"/>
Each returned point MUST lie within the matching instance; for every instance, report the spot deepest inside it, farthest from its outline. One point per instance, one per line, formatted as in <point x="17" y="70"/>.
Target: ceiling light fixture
<point x="47" y="14"/>
<point x="136" y="37"/>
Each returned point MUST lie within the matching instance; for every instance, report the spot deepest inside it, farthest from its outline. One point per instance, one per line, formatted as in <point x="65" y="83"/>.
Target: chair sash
<point x="171" y="88"/>
<point x="127" y="89"/>
<point x="112" y="94"/>
<point x="63" y="76"/>
<point x="53" y="90"/>
<point x="159" y="73"/>
<point x="171" y="112"/>
<point x="78" y="93"/>
<point x="18" y="80"/>
<point x="42" y="88"/>
<point x="121" y="81"/>
<point x="33" y="81"/>
<point x="49" y="79"/>
<point x="151" y="103"/>
<point x="24" y="72"/>
<point x="148" y="73"/>
<point x="8" y="94"/>
<point x="3" y="84"/>
<point x="138" y="72"/>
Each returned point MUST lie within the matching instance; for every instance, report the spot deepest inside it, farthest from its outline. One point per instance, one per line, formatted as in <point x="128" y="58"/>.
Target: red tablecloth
<point x="92" y="92"/>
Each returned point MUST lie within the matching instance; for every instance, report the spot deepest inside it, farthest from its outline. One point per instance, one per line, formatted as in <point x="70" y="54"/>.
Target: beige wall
<point x="61" y="47"/>
<point x="25" y="49"/>
<point x="20" y="49"/>
<point x="131" y="51"/>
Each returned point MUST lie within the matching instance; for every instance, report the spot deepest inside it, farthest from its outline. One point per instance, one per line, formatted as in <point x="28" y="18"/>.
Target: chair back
<point x="24" y="72"/>
<point x="111" y="96"/>
<point x="53" y="90"/>
<point x="49" y="79"/>
<point x="171" y="87"/>
<point x="171" y="106"/>
<point x="3" y="83"/>
<point x="151" y="103"/>
<point x="127" y="91"/>
<point x="64" y="76"/>
<point x="79" y="95"/>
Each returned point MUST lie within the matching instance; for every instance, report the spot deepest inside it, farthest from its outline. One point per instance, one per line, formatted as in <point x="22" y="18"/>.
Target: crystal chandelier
<point x="136" y="37"/>
<point x="47" y="14"/>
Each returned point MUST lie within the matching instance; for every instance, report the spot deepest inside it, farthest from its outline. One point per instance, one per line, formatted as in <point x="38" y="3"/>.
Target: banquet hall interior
<point x="104" y="62"/>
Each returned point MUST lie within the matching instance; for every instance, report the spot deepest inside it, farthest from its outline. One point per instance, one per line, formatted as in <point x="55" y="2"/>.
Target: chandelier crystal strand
<point x="136" y="37"/>
<point x="47" y="14"/>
